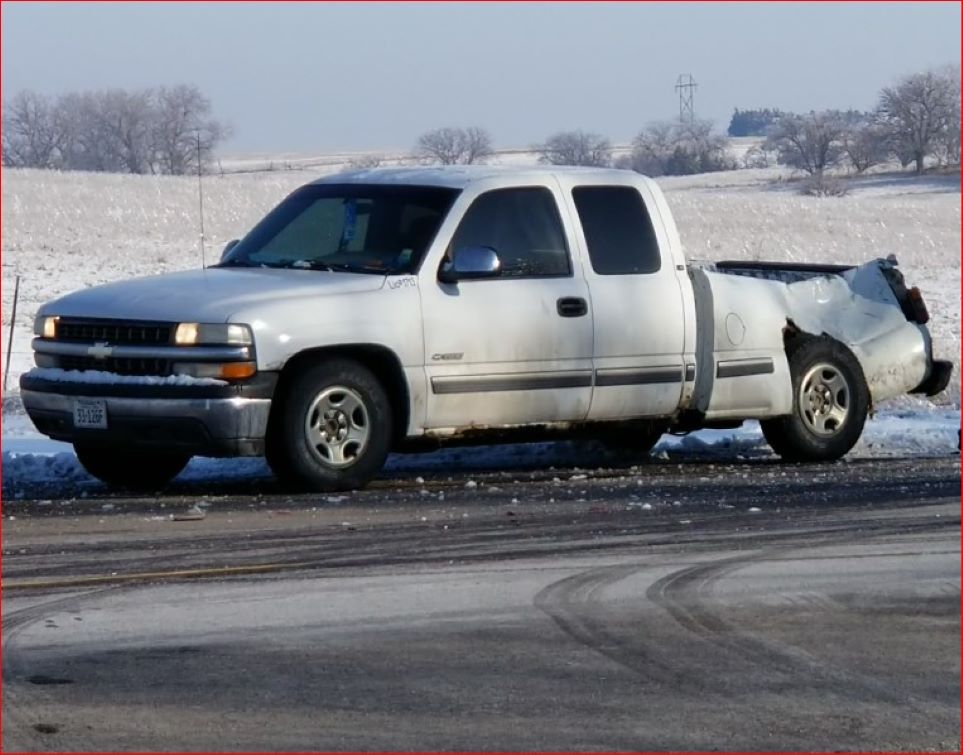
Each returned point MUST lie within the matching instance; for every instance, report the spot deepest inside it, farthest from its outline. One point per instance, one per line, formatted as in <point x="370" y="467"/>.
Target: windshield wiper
<point x="287" y="264"/>
<point x="329" y="267"/>
<point x="232" y="263"/>
<point x="335" y="267"/>
<point x="347" y="267"/>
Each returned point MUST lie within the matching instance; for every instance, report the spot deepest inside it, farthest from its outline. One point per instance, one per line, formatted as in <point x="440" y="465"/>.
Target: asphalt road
<point x="689" y="606"/>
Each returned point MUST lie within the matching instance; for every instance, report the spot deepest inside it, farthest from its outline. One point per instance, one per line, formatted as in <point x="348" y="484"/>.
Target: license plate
<point x="90" y="414"/>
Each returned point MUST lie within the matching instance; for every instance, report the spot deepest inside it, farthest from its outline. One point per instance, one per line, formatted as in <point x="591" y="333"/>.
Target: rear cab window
<point x="618" y="230"/>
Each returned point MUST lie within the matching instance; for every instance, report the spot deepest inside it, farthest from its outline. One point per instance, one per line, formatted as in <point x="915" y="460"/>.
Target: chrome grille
<point x="114" y="332"/>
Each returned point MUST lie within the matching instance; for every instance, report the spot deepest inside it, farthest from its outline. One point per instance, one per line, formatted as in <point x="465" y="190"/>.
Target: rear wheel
<point x="134" y="469"/>
<point x="830" y="404"/>
<point x="332" y="430"/>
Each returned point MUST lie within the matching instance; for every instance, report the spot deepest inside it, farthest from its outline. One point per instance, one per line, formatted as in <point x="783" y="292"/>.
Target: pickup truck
<point x="403" y="309"/>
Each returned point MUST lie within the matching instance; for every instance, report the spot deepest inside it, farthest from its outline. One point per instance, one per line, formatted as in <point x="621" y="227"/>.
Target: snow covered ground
<point x="911" y="427"/>
<point x="64" y="231"/>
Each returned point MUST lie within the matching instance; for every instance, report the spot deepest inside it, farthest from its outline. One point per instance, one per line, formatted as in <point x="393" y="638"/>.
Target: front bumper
<point x="202" y="420"/>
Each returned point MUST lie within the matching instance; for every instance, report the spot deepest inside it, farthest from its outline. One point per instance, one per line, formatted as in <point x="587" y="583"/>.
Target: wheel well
<point x="793" y="338"/>
<point x="382" y="362"/>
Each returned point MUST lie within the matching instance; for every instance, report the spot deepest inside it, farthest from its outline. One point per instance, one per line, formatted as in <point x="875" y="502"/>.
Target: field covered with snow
<point x="64" y="231"/>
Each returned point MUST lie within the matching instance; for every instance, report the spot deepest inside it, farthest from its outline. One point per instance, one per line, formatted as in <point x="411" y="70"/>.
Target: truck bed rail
<point x="787" y="272"/>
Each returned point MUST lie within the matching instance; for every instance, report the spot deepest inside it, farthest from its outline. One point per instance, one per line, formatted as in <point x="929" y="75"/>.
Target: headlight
<point x="45" y="326"/>
<point x="195" y="333"/>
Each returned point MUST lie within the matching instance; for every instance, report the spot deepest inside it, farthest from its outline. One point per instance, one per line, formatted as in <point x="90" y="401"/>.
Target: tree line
<point x="165" y="129"/>
<point x="661" y="148"/>
<point x="160" y="130"/>
<point x="752" y="122"/>
<point x="916" y="119"/>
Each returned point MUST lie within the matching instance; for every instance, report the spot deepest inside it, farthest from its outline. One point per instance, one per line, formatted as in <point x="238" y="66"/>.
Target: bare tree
<point x="920" y="112"/>
<point x="441" y="145"/>
<point x="699" y="149"/>
<point x="812" y="142"/>
<point x="651" y="149"/>
<point x="117" y="130"/>
<point x="31" y="137"/>
<point x="89" y="141"/>
<point x="865" y="144"/>
<point x="454" y="146"/>
<point x="478" y="145"/>
<point x="183" y="127"/>
<point x="948" y="145"/>
<point x="69" y="114"/>
<point x="124" y="120"/>
<point x="666" y="148"/>
<point x="576" y="148"/>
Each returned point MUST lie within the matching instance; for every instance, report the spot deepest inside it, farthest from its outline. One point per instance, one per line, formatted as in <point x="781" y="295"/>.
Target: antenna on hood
<point x="200" y="195"/>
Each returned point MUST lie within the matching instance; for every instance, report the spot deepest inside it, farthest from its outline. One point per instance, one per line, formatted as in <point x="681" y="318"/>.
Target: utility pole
<point x="686" y="87"/>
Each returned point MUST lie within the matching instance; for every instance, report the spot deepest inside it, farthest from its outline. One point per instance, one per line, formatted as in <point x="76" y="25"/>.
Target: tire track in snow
<point x="683" y="599"/>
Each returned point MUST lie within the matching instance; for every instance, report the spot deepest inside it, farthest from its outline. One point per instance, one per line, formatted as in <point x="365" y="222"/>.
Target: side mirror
<point x="471" y="263"/>
<point x="228" y="247"/>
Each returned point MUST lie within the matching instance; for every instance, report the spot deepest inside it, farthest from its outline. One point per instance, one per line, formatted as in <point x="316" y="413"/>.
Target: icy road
<point x="689" y="606"/>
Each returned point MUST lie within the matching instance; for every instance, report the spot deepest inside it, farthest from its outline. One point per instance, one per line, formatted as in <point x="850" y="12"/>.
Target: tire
<point x="829" y="405"/>
<point x="139" y="469"/>
<point x="637" y="439"/>
<point x="332" y="430"/>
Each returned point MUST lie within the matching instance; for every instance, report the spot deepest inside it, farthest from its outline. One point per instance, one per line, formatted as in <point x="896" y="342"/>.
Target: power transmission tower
<point x="686" y="86"/>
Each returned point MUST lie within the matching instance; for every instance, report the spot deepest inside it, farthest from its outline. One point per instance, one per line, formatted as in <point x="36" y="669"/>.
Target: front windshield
<point x="361" y="228"/>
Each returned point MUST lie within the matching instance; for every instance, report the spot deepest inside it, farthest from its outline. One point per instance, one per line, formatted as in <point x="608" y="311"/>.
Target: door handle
<point x="571" y="306"/>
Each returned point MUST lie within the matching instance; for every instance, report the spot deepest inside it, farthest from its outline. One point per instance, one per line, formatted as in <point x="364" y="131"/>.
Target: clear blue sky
<point x="302" y="77"/>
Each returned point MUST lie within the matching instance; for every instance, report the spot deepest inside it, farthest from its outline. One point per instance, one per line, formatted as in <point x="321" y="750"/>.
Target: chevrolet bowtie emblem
<point x="100" y="351"/>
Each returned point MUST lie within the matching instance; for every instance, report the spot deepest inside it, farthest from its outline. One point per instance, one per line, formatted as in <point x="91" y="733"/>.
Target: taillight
<point x="918" y="306"/>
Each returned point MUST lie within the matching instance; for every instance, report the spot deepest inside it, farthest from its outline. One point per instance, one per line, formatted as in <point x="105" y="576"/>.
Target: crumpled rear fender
<point x="857" y="308"/>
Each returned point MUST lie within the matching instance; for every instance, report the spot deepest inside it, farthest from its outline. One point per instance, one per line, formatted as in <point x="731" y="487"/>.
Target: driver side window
<point x="524" y="228"/>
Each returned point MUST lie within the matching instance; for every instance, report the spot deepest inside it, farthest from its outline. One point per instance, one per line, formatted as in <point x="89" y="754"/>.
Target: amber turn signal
<point x="237" y="370"/>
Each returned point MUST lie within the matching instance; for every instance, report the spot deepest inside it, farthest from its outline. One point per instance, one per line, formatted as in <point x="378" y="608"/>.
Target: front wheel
<point x="830" y="404"/>
<point x="332" y="430"/>
<point x="139" y="469"/>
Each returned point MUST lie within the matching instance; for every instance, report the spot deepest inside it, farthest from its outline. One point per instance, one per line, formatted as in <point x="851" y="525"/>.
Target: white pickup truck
<point x="402" y="309"/>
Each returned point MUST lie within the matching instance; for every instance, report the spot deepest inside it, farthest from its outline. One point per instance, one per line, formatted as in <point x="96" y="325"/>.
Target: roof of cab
<point x="458" y="176"/>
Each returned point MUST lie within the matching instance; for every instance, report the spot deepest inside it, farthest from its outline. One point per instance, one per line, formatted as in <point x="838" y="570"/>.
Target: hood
<point x="210" y="295"/>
